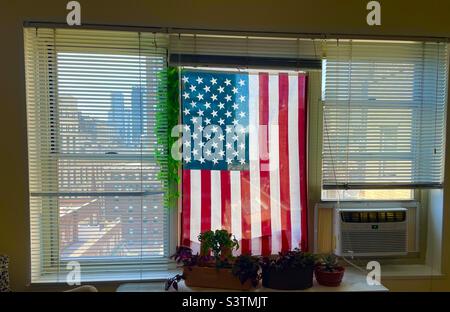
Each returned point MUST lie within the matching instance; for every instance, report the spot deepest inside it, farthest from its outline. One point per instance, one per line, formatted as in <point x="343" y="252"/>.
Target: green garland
<point x="167" y="117"/>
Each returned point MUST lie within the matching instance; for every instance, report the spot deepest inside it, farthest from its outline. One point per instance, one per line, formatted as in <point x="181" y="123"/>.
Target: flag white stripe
<point x="294" y="166"/>
<point x="216" y="211"/>
<point x="255" y="195"/>
<point x="196" y="204"/>
<point x="236" y="205"/>
<point x="274" y="161"/>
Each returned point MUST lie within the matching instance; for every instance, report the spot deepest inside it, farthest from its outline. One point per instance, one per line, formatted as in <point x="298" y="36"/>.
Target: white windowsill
<point x="150" y="276"/>
<point x="409" y="271"/>
<point x="390" y="271"/>
<point x="353" y="281"/>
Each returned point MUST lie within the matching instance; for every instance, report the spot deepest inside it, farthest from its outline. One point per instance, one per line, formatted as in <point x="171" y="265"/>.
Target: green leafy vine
<point x="167" y="117"/>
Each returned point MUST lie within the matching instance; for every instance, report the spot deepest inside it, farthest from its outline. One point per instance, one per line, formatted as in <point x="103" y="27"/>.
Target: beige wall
<point x="412" y="17"/>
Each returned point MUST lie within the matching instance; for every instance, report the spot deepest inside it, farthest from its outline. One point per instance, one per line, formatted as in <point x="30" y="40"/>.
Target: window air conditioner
<point x="371" y="232"/>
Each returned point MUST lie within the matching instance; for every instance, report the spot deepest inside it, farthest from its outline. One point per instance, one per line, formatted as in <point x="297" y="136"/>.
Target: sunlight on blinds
<point x="384" y="114"/>
<point x="95" y="195"/>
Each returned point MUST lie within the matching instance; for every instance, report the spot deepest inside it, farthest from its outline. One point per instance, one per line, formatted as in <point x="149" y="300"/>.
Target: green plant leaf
<point x="167" y="117"/>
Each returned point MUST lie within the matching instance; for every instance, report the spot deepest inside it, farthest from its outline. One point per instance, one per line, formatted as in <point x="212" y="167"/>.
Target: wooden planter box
<point x="213" y="278"/>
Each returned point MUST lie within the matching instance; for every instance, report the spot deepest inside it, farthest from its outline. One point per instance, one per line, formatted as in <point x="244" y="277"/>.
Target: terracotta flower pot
<point x="327" y="278"/>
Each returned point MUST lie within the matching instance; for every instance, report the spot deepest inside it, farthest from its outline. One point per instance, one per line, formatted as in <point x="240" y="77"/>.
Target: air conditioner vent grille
<point x="363" y="242"/>
<point x="373" y="216"/>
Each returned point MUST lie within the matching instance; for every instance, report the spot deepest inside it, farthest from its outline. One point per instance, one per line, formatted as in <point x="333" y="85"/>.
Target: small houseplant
<point x="289" y="270"/>
<point x="328" y="272"/>
<point x="219" y="270"/>
<point x="219" y="242"/>
<point x="246" y="268"/>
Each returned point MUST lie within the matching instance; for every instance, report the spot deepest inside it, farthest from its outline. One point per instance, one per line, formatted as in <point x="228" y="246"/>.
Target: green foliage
<point x="217" y="242"/>
<point x="224" y="240"/>
<point x="167" y="117"/>
<point x="246" y="267"/>
<point x="290" y="259"/>
<point x="329" y="262"/>
<point x="207" y="241"/>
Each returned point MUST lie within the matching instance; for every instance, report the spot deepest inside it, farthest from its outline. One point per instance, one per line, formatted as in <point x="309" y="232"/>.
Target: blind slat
<point x="384" y="114"/>
<point x="245" y="46"/>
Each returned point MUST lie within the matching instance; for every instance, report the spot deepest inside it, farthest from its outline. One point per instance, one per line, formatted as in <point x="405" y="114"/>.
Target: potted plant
<point x="206" y="240"/>
<point x="247" y="269"/>
<point x="219" y="242"/>
<point x="220" y="270"/>
<point x="328" y="272"/>
<point x="289" y="270"/>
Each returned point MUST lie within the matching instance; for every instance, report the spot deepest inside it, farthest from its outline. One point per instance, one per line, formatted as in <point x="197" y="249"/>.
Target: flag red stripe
<point x="225" y="199"/>
<point x="283" y="141"/>
<point x="245" y="212"/>
<point x="266" y="230"/>
<point x="302" y="111"/>
<point x="186" y="209"/>
<point x="206" y="200"/>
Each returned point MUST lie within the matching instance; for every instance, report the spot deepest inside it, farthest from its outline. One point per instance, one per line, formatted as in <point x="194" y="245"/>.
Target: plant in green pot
<point x="328" y="272"/>
<point x="288" y="271"/>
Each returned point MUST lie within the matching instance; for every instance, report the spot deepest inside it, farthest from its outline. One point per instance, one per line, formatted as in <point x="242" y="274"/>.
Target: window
<point x="384" y="107"/>
<point x="95" y="162"/>
<point x="368" y="194"/>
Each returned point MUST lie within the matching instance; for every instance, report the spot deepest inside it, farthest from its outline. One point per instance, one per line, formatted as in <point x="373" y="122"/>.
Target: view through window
<point x="384" y="194"/>
<point x="105" y="155"/>
<point x="97" y="164"/>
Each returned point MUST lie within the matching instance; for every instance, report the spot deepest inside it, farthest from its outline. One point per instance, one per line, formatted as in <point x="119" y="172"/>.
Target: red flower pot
<point x="327" y="278"/>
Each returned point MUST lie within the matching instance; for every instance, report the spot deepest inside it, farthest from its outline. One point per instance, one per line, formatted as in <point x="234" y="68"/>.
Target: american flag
<point x="244" y="158"/>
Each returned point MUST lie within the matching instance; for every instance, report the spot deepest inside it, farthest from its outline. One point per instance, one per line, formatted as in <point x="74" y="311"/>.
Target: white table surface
<point x="353" y="280"/>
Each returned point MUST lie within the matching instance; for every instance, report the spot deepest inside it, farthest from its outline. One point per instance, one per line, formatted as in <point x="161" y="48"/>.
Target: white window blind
<point x="384" y="114"/>
<point x="244" y="51"/>
<point x="92" y="102"/>
<point x="236" y="45"/>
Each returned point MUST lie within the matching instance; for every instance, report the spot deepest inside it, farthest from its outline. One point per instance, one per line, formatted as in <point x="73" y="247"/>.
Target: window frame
<point x="315" y="147"/>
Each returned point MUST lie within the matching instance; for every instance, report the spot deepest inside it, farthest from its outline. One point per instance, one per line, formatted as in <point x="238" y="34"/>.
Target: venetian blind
<point x="238" y="50"/>
<point x="96" y="183"/>
<point x="384" y="114"/>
